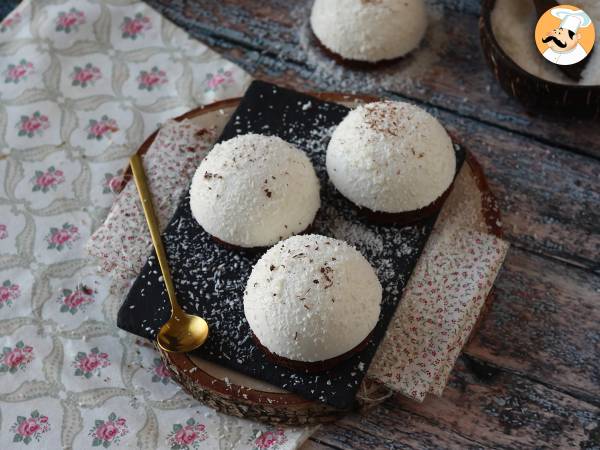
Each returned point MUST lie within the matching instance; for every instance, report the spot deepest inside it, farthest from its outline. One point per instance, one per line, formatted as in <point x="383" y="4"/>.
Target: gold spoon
<point x="182" y="332"/>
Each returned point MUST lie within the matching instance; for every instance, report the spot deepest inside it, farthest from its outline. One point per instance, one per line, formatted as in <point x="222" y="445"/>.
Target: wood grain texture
<point x="272" y="40"/>
<point x="543" y="324"/>
<point x="482" y="408"/>
<point x="548" y="197"/>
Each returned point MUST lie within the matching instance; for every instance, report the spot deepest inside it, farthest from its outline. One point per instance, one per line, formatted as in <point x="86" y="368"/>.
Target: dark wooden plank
<point x="543" y="323"/>
<point x="482" y="407"/>
<point x="313" y="444"/>
<point x="549" y="198"/>
<point x="271" y="40"/>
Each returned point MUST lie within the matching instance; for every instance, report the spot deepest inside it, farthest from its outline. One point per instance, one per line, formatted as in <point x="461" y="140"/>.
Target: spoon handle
<point x="139" y="177"/>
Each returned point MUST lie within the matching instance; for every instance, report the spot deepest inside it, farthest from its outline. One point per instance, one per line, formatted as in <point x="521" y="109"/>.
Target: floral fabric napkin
<point x="82" y="84"/>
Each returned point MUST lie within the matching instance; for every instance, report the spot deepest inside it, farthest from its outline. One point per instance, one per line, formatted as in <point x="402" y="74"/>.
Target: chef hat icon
<point x="570" y="19"/>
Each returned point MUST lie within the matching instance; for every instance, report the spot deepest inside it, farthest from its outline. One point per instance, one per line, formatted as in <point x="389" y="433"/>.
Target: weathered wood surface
<point x="549" y="197"/>
<point x="271" y="39"/>
<point x="544" y="324"/>
<point x="483" y="407"/>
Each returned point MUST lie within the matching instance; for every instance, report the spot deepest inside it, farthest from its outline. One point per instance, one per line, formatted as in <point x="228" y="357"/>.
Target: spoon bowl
<point x="182" y="333"/>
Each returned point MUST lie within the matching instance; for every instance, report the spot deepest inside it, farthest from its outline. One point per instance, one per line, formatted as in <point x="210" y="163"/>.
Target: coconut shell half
<point x="536" y="94"/>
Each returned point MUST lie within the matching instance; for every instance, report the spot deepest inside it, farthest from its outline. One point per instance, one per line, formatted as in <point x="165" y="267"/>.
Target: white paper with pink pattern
<point x="82" y="84"/>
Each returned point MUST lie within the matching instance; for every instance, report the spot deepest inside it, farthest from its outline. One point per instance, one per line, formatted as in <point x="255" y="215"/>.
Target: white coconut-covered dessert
<point x="391" y="157"/>
<point x="254" y="190"/>
<point x="369" y="30"/>
<point x="312" y="298"/>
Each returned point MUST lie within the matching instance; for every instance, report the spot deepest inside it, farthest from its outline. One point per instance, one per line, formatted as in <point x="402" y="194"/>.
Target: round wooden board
<point x="239" y="395"/>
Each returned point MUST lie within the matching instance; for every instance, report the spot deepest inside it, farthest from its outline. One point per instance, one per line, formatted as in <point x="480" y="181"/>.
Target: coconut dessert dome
<point x="391" y="157"/>
<point x="311" y="299"/>
<point x="369" y="30"/>
<point x="253" y="190"/>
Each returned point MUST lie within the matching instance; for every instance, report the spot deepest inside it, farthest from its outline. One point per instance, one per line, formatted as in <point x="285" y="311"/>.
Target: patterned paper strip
<point x="443" y="298"/>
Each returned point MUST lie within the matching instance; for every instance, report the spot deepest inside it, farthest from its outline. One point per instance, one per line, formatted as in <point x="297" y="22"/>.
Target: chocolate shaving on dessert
<point x="209" y="175"/>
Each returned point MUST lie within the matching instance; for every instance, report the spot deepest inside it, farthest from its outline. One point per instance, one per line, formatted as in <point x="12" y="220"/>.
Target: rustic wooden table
<point x="531" y="376"/>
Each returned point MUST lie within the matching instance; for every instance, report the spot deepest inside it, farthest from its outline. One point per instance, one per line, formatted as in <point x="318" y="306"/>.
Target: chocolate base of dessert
<point x="228" y="246"/>
<point x="405" y="217"/>
<point x="255" y="250"/>
<point x="310" y="367"/>
<point x="355" y="63"/>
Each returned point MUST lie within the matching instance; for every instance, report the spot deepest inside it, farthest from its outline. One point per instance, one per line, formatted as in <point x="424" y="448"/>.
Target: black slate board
<point x="210" y="279"/>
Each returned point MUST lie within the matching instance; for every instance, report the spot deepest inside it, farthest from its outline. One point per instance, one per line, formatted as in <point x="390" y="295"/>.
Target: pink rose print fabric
<point x="98" y="129"/>
<point x="86" y="75"/>
<point x="187" y="436"/>
<point x="221" y="78"/>
<point x="15" y="358"/>
<point x="105" y="433"/>
<point x="132" y="28"/>
<point x="72" y="301"/>
<point x="152" y="79"/>
<point x="160" y="372"/>
<point x="10" y="22"/>
<point x="15" y="73"/>
<point x="271" y="439"/>
<point x="8" y="293"/>
<point x="3" y="231"/>
<point x="70" y="20"/>
<point x="89" y="364"/>
<point x="50" y="179"/>
<point x="113" y="183"/>
<point x="59" y="238"/>
<point x="27" y="429"/>
<point x="30" y="126"/>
